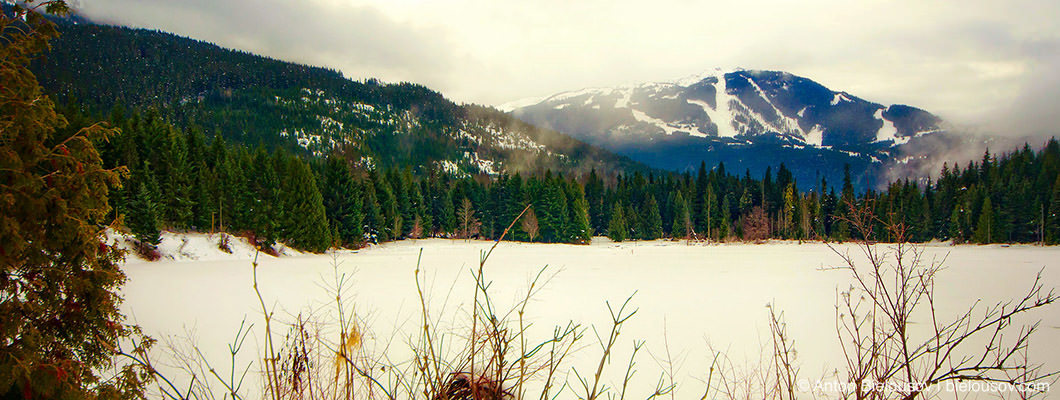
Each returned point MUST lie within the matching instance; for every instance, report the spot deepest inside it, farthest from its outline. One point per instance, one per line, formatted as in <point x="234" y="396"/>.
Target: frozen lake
<point x="690" y="298"/>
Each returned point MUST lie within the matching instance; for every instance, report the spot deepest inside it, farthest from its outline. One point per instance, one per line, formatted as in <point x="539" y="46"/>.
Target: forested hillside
<point x="181" y="180"/>
<point x="254" y="100"/>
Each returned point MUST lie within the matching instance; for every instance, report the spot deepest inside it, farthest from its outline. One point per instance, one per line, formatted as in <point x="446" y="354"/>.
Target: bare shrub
<point x="469" y="224"/>
<point x="756" y="225"/>
<point x="896" y="288"/>
<point x="529" y="224"/>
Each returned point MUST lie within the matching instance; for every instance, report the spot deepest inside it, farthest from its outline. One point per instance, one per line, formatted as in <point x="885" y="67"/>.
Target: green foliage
<point x="1052" y="220"/>
<point x="143" y="209"/>
<point x="342" y="203"/>
<point x="195" y="109"/>
<point x="580" y="229"/>
<point x="305" y="110"/>
<point x="652" y="220"/>
<point x="681" y="217"/>
<point x="59" y="302"/>
<point x="984" y="230"/>
<point x="306" y="226"/>
<point x="616" y="228"/>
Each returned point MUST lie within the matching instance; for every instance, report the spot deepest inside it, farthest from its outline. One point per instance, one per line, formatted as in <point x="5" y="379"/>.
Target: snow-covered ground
<point x="690" y="297"/>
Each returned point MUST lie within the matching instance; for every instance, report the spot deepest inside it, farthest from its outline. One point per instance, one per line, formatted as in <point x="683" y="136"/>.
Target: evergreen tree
<point x="616" y="228"/>
<point x="143" y="217"/>
<point x="391" y="224"/>
<point x="201" y="207"/>
<point x="984" y="230"/>
<point x="725" y="230"/>
<point x="59" y="294"/>
<point x="633" y="222"/>
<point x="682" y="218"/>
<point x="265" y="196"/>
<point x="306" y="225"/>
<point x="373" y="218"/>
<point x="179" y="198"/>
<point x="581" y="231"/>
<point x="553" y="216"/>
<point x="594" y="196"/>
<point x="844" y="207"/>
<point x="232" y="212"/>
<point x="652" y="220"/>
<point x="1052" y="219"/>
<point x="342" y="203"/>
<point x="448" y="213"/>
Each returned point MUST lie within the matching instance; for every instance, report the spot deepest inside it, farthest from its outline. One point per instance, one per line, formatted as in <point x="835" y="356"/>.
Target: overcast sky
<point x="974" y="62"/>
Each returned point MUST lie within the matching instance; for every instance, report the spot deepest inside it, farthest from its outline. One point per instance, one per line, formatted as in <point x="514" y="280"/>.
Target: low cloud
<point x="982" y="64"/>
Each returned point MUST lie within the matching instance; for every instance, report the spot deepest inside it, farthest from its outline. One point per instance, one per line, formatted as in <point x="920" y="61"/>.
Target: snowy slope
<point x="737" y="104"/>
<point x="746" y="119"/>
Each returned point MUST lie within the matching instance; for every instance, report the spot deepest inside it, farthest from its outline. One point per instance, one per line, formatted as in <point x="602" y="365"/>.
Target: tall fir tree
<point x="144" y="212"/>
<point x="179" y="199"/>
<point x="682" y="219"/>
<point x="553" y="211"/>
<point x="580" y="229"/>
<point x="984" y="229"/>
<point x="652" y="220"/>
<point x="1052" y="219"/>
<point x="265" y="196"/>
<point x="616" y="227"/>
<point x="306" y="224"/>
<point x="342" y="202"/>
<point x="594" y="196"/>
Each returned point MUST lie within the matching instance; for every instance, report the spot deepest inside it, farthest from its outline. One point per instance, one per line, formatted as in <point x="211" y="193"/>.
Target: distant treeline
<point x="181" y="180"/>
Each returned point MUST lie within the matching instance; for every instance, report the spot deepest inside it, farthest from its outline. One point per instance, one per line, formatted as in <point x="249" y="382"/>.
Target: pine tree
<point x="144" y="211"/>
<point x="1052" y="220"/>
<point x="594" y="196"/>
<point x="580" y="229"/>
<point x="553" y="216"/>
<point x="178" y="185"/>
<point x="984" y="230"/>
<point x="202" y="210"/>
<point x="634" y="223"/>
<point x="652" y="220"/>
<point x="233" y="210"/>
<point x="700" y="201"/>
<point x="616" y="228"/>
<point x="265" y="198"/>
<point x="391" y="224"/>
<point x="789" y="212"/>
<point x="60" y="287"/>
<point x="448" y="213"/>
<point x="681" y="225"/>
<point x="373" y="218"/>
<point x="306" y="224"/>
<point x="844" y="207"/>
<point x="342" y="202"/>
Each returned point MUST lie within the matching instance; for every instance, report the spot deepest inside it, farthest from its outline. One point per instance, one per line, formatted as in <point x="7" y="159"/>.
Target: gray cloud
<point x="978" y="63"/>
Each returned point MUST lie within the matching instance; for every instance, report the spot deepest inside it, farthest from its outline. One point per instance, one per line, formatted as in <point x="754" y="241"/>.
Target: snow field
<point x="689" y="298"/>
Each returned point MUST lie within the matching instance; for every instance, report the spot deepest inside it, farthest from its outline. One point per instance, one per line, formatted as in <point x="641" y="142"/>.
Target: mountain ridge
<point x="710" y="116"/>
<point x="253" y="99"/>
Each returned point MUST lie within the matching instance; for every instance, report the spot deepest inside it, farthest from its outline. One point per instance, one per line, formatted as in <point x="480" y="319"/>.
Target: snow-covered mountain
<point x="742" y="117"/>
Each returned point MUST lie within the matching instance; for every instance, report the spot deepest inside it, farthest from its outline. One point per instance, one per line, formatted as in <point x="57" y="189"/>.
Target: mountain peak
<point x="726" y="109"/>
